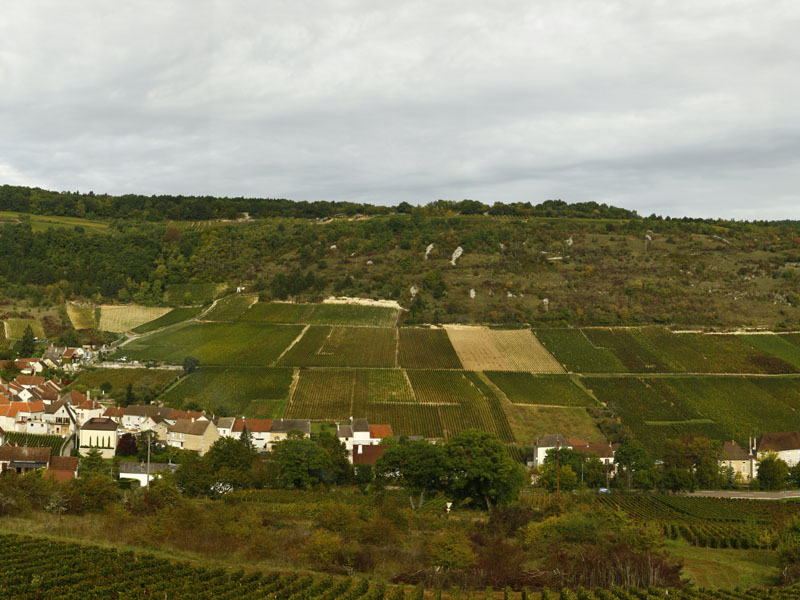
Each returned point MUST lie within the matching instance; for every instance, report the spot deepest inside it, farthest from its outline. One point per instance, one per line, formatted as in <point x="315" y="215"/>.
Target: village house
<point x="22" y="460"/>
<point x="282" y="427"/>
<point x="115" y="413"/>
<point x="358" y="432"/>
<point x="157" y="425"/>
<point x="545" y="443"/>
<point x="62" y="468"/>
<point x="138" y="471"/>
<point x="259" y="430"/>
<point x="367" y="454"/>
<point x="735" y="457"/>
<point x="225" y="426"/>
<point x="100" y="433"/>
<point x="135" y="415"/>
<point x="197" y="435"/>
<point x="60" y="418"/>
<point x="785" y="444"/>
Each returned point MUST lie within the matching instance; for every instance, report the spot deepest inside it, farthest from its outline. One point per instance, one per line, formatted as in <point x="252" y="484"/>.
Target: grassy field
<point x="120" y="378"/>
<point x="530" y="422"/>
<point x="323" y="346"/>
<point x="119" y="319"/>
<point x="234" y="391"/>
<point x="524" y="388"/>
<point x="179" y="293"/>
<point x="426" y="349"/>
<point x="15" y="328"/>
<point x="726" y="568"/>
<point x="44" y="222"/>
<point x="351" y="314"/>
<point x="173" y="317"/>
<point x="82" y="316"/>
<point x="578" y="355"/>
<point x="235" y="344"/>
<point x="277" y="312"/>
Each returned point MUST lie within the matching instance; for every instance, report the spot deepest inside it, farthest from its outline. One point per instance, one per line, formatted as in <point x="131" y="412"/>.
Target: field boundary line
<point x="408" y="380"/>
<point x="396" y="347"/>
<point x="501" y="395"/>
<point x="290" y="346"/>
<point x="292" y="388"/>
<point x="353" y="391"/>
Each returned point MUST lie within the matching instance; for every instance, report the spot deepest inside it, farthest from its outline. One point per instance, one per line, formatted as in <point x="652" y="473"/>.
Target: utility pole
<point x="558" y="469"/>
<point x="149" y="431"/>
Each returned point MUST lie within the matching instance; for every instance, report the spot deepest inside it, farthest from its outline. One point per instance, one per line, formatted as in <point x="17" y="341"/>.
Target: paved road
<point x="754" y="495"/>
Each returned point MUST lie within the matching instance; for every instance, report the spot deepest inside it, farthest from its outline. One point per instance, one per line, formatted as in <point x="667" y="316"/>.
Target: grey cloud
<point x="675" y="108"/>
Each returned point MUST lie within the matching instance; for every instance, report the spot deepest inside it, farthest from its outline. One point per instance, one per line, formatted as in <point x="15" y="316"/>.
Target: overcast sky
<point x="674" y="107"/>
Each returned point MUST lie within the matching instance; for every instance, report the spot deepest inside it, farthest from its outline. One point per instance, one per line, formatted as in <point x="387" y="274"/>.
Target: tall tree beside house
<point x="246" y="438"/>
<point x="301" y="463"/>
<point x="633" y="460"/>
<point x="419" y="466"/>
<point x="92" y="464"/>
<point x="27" y="344"/>
<point x="481" y="469"/>
<point x="126" y="446"/>
<point x="341" y="471"/>
<point x="772" y="472"/>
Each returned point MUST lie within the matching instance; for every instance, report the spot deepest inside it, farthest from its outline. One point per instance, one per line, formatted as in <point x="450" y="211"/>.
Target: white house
<point x="138" y="471"/>
<point x="786" y="445"/>
<point x="259" y="430"/>
<point x="100" y="433"/>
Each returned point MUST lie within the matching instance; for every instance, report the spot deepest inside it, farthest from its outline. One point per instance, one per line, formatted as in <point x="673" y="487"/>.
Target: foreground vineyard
<point x="46" y="570"/>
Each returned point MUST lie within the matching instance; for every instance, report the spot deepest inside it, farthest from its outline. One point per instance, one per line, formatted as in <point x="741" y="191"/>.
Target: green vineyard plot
<point x="277" y="312"/>
<point x="525" y="388"/>
<point x="426" y="349"/>
<point x="236" y="344"/>
<point x="779" y="346"/>
<point x="173" y="317"/>
<point x="323" y="346"/>
<point x="353" y="314"/>
<point x="230" y="307"/>
<point x="233" y="391"/>
<point x="573" y="349"/>
<point x="636" y="358"/>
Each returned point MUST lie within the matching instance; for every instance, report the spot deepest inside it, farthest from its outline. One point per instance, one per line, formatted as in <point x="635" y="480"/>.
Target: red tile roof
<point x="378" y="432"/>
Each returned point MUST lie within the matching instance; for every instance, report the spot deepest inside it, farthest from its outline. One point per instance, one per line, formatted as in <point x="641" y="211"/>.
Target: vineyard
<point x="233" y="391"/>
<point x="119" y="319"/>
<point x="481" y="348"/>
<point x="120" y="378"/>
<point x="173" y="317"/>
<point x="353" y="315"/>
<point x="711" y="522"/>
<point x="578" y="355"/>
<point x="277" y="312"/>
<point x="776" y="345"/>
<point x="82" y="316"/>
<point x="34" y="440"/>
<point x="721" y="408"/>
<point x="43" y="569"/>
<point x="15" y="328"/>
<point x="230" y="307"/>
<point x="525" y="388"/>
<point x="426" y="349"/>
<point x="323" y="346"/>
<point x="247" y="344"/>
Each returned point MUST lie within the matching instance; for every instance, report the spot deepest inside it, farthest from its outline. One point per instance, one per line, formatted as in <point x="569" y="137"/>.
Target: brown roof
<point x="259" y="425"/>
<point x="379" y="432"/>
<point x="190" y="427"/>
<point x="100" y="424"/>
<point x="114" y="411"/>
<point x="344" y="431"/>
<point x="29" y="379"/>
<point x="147" y="410"/>
<point x="64" y="463"/>
<point x="549" y="441"/>
<point x="601" y="450"/>
<point x="287" y="425"/>
<point x="787" y="440"/>
<point x="367" y="455"/>
<point x="184" y="414"/>
<point x="23" y="453"/>
<point x="733" y="451"/>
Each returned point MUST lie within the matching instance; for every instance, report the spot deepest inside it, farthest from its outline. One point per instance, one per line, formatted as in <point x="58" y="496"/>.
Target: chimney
<point x="88" y="394"/>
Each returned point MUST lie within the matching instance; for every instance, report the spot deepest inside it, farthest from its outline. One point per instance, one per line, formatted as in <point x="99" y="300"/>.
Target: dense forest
<point x="614" y="268"/>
